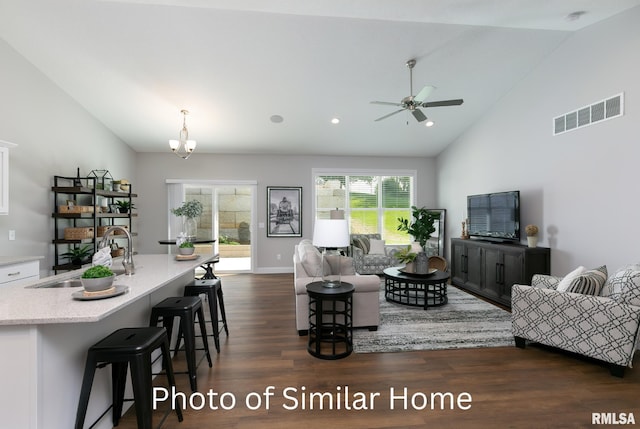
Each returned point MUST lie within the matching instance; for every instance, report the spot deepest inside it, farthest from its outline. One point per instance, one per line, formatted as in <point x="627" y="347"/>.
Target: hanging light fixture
<point x="183" y="147"/>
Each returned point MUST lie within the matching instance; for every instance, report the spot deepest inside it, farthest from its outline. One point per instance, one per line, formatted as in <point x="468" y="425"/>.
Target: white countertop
<point x="29" y="305"/>
<point x="10" y="260"/>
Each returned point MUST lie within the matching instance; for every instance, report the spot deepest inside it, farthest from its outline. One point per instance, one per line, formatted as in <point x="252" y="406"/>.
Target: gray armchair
<point x="604" y="326"/>
<point x="368" y="260"/>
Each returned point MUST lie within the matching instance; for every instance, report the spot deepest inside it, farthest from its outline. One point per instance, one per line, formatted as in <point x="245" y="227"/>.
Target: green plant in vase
<point x="423" y="224"/>
<point x="186" y="248"/>
<point x="421" y="229"/>
<point x="189" y="211"/>
<point x="405" y="255"/>
<point x="124" y="206"/>
<point x="77" y="254"/>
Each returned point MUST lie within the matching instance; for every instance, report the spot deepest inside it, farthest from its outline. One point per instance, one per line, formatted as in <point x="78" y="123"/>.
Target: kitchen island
<point x="45" y="334"/>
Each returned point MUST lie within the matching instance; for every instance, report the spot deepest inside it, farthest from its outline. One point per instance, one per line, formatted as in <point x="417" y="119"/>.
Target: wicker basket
<point x="119" y="252"/>
<point x="75" y="209"/>
<point x="103" y="229"/>
<point x="78" y="233"/>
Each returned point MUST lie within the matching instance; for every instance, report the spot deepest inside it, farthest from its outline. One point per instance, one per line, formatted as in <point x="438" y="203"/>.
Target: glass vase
<point x="190" y="227"/>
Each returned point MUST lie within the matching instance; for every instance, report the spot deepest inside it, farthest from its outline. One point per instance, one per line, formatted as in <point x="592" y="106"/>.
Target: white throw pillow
<point x="377" y="247"/>
<point x="564" y="284"/>
<point x="312" y="261"/>
<point x="342" y="265"/>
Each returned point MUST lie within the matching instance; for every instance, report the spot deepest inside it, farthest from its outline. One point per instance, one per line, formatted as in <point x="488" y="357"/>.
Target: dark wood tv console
<point x="491" y="269"/>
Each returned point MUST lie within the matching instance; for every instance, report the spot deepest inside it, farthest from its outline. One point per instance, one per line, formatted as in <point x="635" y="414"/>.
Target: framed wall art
<point x="284" y="211"/>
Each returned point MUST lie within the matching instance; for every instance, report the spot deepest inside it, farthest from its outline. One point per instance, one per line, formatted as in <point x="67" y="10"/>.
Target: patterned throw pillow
<point x="564" y="284"/>
<point x="589" y="282"/>
<point x="624" y="286"/>
<point x="363" y="243"/>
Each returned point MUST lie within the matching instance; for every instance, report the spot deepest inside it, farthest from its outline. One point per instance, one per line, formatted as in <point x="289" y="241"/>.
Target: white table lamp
<point x="331" y="234"/>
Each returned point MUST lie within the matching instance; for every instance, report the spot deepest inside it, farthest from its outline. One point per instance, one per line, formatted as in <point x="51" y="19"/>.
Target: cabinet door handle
<point x="17" y="273"/>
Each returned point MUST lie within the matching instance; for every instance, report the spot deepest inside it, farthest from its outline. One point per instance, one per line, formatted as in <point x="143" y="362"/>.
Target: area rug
<point x="464" y="322"/>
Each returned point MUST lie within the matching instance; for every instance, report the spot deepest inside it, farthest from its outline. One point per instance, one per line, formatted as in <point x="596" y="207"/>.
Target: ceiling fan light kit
<point x="413" y="103"/>
<point x="183" y="147"/>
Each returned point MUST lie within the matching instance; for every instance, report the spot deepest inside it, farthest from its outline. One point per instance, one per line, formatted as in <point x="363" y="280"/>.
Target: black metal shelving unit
<point x="84" y="191"/>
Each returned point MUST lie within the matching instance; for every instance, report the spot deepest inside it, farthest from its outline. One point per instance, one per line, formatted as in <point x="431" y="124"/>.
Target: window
<point x="372" y="201"/>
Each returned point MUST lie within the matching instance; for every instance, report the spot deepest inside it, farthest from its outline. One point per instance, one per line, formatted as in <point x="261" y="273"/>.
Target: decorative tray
<point x="430" y="272"/>
<point x="82" y="296"/>
<point x="187" y="257"/>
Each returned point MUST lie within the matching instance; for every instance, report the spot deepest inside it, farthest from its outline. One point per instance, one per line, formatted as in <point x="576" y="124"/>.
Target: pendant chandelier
<point x="183" y="147"/>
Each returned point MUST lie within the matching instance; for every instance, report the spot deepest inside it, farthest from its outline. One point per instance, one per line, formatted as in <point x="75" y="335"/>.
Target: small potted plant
<point x="97" y="278"/>
<point x="532" y="235"/>
<point x="77" y="254"/>
<point x="124" y="206"/>
<point x="407" y="257"/>
<point x="186" y="248"/>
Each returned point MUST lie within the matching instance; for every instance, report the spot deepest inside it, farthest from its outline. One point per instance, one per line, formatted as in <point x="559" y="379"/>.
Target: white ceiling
<point x="234" y="63"/>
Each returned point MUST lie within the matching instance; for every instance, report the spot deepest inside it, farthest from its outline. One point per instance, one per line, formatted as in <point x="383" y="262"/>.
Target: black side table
<point x="330" y="320"/>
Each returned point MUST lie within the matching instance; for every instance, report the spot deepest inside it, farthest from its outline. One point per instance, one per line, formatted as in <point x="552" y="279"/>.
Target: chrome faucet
<point x="127" y="262"/>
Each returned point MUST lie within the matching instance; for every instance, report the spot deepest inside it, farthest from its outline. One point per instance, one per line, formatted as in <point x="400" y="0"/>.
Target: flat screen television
<point x="494" y="216"/>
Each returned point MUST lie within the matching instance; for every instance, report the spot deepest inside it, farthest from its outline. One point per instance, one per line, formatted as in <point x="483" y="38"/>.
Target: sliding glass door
<point x="228" y="218"/>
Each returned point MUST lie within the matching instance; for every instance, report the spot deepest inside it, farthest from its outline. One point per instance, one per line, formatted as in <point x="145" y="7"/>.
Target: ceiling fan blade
<point x="386" y="103"/>
<point x="390" y="114"/>
<point x="424" y="93"/>
<point x="443" y="103"/>
<point x="417" y="113"/>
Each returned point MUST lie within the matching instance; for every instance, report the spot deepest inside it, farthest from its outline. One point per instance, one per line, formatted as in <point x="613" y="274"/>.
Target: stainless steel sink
<point x="61" y="283"/>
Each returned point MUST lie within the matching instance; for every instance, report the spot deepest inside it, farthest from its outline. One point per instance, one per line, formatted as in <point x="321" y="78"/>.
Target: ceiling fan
<point x="412" y="103"/>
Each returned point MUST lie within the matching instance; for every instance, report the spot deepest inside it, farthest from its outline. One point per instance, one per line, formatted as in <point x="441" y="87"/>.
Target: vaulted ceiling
<point x="234" y="64"/>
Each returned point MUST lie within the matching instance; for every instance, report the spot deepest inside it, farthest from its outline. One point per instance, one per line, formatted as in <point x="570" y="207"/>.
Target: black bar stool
<point x="212" y="288"/>
<point x="124" y="347"/>
<point x="186" y="308"/>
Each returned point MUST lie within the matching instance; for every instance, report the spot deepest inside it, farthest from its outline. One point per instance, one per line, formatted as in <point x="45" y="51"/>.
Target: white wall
<point x="55" y="135"/>
<point x="272" y="170"/>
<point x="579" y="187"/>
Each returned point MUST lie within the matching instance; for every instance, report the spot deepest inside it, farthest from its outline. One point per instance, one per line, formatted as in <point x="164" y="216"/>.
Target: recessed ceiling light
<point x="574" y="16"/>
<point x="335" y="120"/>
<point x="276" y="119"/>
<point x="429" y="123"/>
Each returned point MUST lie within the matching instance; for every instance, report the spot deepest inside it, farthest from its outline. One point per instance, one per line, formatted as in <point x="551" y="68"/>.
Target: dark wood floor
<point x="510" y="388"/>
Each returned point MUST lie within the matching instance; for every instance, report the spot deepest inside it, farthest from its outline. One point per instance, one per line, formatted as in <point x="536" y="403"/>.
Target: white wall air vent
<point x="599" y="111"/>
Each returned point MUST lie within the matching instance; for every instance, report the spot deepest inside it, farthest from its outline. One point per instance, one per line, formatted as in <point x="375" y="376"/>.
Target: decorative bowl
<point x="186" y="250"/>
<point x="97" y="284"/>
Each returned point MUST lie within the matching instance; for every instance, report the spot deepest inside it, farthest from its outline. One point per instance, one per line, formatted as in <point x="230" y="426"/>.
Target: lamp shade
<point x="331" y="233"/>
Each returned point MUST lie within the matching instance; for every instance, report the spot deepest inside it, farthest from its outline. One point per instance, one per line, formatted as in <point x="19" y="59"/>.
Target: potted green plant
<point x="422" y="226"/>
<point x="124" y="206"/>
<point x="186" y="248"/>
<point x="77" y="254"/>
<point x="407" y="257"/>
<point x="421" y="229"/>
<point x="189" y="210"/>
<point x="97" y="278"/>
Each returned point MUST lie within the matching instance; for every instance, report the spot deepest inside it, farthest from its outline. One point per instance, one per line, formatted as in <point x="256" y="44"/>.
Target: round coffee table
<point x="417" y="290"/>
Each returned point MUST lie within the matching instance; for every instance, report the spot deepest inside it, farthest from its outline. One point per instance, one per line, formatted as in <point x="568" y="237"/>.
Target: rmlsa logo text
<point x="613" y="419"/>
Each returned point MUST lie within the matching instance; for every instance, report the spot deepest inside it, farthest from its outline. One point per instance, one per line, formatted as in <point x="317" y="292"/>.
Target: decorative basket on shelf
<point x="118" y="252"/>
<point x="78" y="233"/>
<point x="103" y="229"/>
<point x="75" y="209"/>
